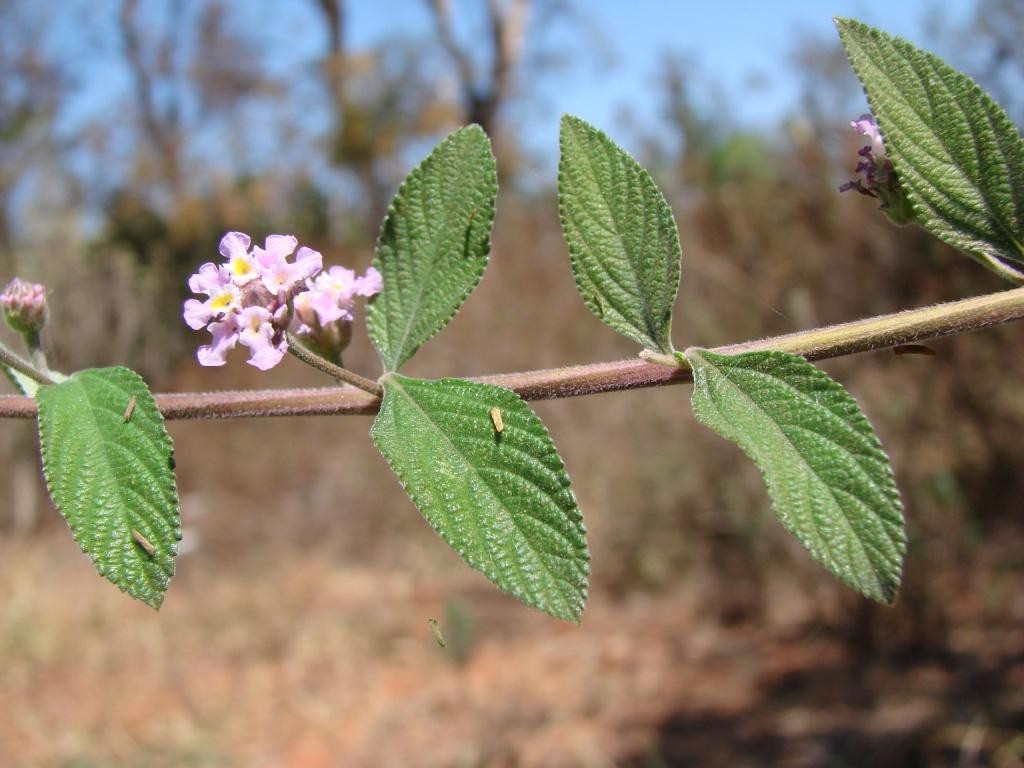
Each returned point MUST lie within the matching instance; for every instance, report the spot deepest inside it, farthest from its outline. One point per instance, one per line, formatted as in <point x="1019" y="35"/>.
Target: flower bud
<point x="24" y="305"/>
<point x="327" y="340"/>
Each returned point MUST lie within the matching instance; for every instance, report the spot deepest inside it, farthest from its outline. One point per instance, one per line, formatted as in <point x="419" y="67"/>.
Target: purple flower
<point x="223" y="294"/>
<point x="241" y="265"/>
<point x="330" y="295"/>
<point x="266" y="342"/>
<point x="866" y="125"/>
<point x="225" y="336"/>
<point x="279" y="275"/>
<point x="878" y="177"/>
<point x="24" y="305"/>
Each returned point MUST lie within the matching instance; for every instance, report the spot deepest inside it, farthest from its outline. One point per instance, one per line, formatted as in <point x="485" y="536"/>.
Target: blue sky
<point x="744" y="48"/>
<point x="731" y="40"/>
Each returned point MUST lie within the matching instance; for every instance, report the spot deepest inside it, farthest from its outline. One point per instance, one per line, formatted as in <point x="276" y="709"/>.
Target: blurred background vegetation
<point x="296" y="631"/>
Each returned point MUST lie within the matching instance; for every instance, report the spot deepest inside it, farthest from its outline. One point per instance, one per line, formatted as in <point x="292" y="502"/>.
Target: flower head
<point x="24" y="305"/>
<point x="256" y="293"/>
<point x="247" y="297"/>
<point x="879" y="178"/>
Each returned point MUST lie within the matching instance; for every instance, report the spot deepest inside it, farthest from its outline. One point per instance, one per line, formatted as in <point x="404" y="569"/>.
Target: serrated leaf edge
<point x="887" y="592"/>
<point x="591" y="296"/>
<point x="167" y="443"/>
<point x="574" y="606"/>
<point x="393" y="366"/>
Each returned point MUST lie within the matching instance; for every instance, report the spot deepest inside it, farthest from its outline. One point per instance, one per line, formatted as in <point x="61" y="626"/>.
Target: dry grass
<point x="290" y="656"/>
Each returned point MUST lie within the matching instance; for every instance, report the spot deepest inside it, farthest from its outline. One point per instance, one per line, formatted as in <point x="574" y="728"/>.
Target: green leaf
<point x="112" y="477"/>
<point x="956" y="152"/>
<point x="622" y="238"/>
<point x="24" y="384"/>
<point x="491" y="483"/>
<point x="433" y="244"/>
<point x="829" y="479"/>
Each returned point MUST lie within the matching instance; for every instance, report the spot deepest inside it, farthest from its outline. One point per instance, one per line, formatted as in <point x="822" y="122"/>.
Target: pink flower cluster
<point x="253" y="297"/>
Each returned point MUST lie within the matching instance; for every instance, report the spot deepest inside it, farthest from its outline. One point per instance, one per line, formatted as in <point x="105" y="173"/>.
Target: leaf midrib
<point x="799" y="453"/>
<point x="555" y="580"/>
<point x="653" y="333"/>
<point x="120" y="509"/>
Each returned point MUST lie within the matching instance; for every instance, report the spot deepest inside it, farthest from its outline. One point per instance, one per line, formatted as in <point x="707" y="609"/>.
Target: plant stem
<point x="34" y="344"/>
<point x="298" y="349"/>
<point x="11" y="360"/>
<point x="833" y="341"/>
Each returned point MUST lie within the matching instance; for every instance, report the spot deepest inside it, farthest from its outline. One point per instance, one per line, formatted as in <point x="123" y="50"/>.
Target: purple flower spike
<point x="867" y="126"/>
<point x="878" y="177"/>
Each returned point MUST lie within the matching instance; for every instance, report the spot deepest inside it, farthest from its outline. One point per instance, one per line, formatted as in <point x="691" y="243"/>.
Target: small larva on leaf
<point x="143" y="542"/>
<point x="130" y="409"/>
<point x="499" y="425"/>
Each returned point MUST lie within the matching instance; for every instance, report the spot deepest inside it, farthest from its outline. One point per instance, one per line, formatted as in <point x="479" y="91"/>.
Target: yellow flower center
<point x="223" y="301"/>
<point x="240" y="267"/>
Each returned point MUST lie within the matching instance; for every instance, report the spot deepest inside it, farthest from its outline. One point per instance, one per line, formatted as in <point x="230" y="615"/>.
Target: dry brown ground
<point x="303" y="661"/>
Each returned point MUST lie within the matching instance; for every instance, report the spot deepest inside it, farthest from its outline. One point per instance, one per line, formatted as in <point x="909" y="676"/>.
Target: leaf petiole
<point x="299" y="350"/>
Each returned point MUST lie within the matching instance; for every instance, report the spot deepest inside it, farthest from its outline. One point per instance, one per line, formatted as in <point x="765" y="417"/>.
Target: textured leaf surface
<point x="501" y="499"/>
<point x="956" y="152"/>
<point x="110" y="477"/>
<point x="622" y="238"/>
<point x="829" y="479"/>
<point x="433" y="244"/>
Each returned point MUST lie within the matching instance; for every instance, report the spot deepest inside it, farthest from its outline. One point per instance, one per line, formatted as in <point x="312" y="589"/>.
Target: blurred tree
<point x="382" y="99"/>
<point x="998" y="24"/>
<point x="482" y="97"/>
<point x="32" y="91"/>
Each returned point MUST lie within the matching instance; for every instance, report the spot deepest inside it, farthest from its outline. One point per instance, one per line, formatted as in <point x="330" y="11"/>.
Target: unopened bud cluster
<point x="24" y="306"/>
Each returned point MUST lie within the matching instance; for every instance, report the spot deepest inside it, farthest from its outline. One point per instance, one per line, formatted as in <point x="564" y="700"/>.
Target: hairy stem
<point x="298" y="349"/>
<point x="833" y="341"/>
<point x="11" y="360"/>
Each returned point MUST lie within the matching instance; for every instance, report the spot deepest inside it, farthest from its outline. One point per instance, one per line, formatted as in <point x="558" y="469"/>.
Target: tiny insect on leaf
<point x="499" y="425"/>
<point x="143" y="542"/>
<point x="130" y="409"/>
